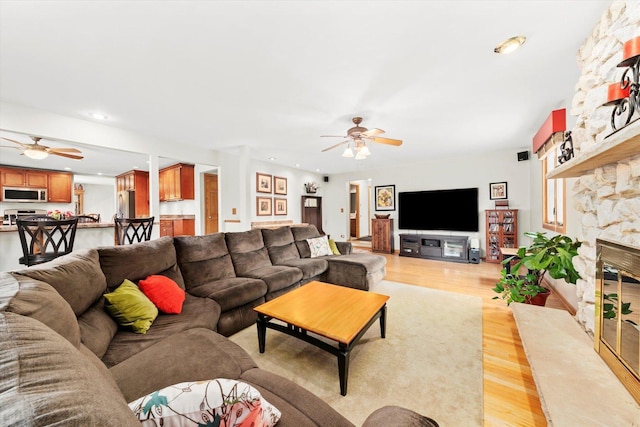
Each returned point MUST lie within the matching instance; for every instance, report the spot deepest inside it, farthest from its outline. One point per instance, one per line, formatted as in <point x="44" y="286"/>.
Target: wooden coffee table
<point x="335" y="312"/>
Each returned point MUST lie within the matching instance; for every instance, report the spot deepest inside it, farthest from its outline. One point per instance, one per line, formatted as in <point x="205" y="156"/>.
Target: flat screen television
<point x="450" y="210"/>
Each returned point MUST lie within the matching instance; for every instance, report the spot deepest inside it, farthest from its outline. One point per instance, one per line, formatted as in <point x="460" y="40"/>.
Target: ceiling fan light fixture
<point x="348" y="152"/>
<point x="364" y="150"/>
<point x="509" y="45"/>
<point x="35" y="154"/>
<point x="360" y="156"/>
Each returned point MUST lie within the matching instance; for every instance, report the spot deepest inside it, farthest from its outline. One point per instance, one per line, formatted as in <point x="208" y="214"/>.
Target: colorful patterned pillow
<point x="130" y="307"/>
<point x="164" y="293"/>
<point x="319" y="246"/>
<point x="220" y="402"/>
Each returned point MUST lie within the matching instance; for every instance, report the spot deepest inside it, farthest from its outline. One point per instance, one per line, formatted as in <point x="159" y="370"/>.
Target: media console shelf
<point x="433" y="246"/>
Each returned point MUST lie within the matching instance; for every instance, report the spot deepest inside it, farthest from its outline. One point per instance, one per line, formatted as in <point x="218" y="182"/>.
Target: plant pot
<point x="540" y="299"/>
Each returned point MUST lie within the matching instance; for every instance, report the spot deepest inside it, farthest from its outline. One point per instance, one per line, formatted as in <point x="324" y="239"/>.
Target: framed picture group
<point x="268" y="184"/>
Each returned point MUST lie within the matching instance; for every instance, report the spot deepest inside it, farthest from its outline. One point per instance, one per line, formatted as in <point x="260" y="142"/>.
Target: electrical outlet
<point x="342" y="236"/>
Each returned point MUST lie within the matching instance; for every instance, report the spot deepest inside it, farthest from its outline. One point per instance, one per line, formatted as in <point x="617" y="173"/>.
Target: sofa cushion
<point x="139" y="260"/>
<point x="130" y="307"/>
<point x="97" y="328"/>
<point x="334" y="247"/>
<point x="38" y="300"/>
<point x="196" y="313"/>
<point x="203" y="259"/>
<point x="277" y="276"/>
<point x="310" y="267"/>
<point x="300" y="234"/>
<point x="45" y="380"/>
<point x="209" y="355"/>
<point x="280" y="244"/>
<point x="76" y="276"/>
<point x="247" y="251"/>
<point x="231" y="292"/>
<point x="163" y="292"/>
<point x="220" y="401"/>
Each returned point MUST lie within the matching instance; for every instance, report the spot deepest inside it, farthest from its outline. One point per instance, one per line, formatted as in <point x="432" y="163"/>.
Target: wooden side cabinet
<point x="176" y="182"/>
<point x="382" y="235"/>
<point x="502" y="232"/>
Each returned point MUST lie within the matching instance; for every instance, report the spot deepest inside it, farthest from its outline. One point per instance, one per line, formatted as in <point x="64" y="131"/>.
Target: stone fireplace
<point x="606" y="192"/>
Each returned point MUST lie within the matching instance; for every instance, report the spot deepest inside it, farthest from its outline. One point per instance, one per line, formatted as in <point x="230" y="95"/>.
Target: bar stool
<point x="132" y="230"/>
<point x="44" y="238"/>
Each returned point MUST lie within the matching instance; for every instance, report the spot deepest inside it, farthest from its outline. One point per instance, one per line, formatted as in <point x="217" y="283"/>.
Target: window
<point x="553" y="191"/>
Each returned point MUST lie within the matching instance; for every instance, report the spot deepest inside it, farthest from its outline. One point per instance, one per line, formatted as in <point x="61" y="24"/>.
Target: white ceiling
<point x="275" y="75"/>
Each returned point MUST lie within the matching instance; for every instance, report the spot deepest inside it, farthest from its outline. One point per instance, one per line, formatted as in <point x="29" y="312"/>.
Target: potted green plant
<point x="553" y="255"/>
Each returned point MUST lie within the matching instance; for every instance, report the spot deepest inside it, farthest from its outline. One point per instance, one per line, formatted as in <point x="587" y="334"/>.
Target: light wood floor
<point x="510" y="396"/>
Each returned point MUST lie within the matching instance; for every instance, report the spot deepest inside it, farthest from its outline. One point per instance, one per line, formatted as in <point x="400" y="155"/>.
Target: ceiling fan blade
<point x="16" y="142"/>
<point x="64" y="150"/>
<point x="372" y="132"/>
<point x="389" y="141"/>
<point x="334" y="146"/>
<point x="71" y="156"/>
<point x="333" y="136"/>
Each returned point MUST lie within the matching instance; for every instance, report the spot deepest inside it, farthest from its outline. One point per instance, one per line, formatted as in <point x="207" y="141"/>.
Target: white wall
<point x="99" y="198"/>
<point x="463" y="171"/>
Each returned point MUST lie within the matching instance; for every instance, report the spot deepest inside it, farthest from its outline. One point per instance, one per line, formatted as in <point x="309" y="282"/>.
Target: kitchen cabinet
<point x="59" y="187"/>
<point x="138" y="181"/>
<point x="176" y="182"/>
<point x="24" y="178"/>
<point x="177" y="227"/>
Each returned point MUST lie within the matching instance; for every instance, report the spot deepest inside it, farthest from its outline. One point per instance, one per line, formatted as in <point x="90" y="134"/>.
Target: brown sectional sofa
<point x="65" y="361"/>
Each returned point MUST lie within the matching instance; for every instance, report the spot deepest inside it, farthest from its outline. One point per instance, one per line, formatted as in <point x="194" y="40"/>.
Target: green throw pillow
<point x="131" y="308"/>
<point x="334" y="247"/>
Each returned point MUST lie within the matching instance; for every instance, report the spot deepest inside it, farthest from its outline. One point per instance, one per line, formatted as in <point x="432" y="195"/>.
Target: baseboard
<point x="547" y="284"/>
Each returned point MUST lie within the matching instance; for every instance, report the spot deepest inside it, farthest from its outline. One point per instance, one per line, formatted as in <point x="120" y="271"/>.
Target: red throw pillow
<point x="164" y="293"/>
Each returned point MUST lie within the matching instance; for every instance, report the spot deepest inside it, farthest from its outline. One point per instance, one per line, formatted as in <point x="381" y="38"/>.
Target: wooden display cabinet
<point x="382" y="235"/>
<point x="502" y="232"/>
<point x="312" y="211"/>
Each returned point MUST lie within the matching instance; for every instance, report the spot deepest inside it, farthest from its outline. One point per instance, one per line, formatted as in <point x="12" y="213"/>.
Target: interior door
<point x="210" y="203"/>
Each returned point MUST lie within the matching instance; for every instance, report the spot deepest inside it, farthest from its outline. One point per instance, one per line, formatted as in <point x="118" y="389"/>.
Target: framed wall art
<point x="263" y="183"/>
<point x="280" y="206"/>
<point x="279" y="185"/>
<point x="264" y="206"/>
<point x="385" y="198"/>
<point x="498" y="191"/>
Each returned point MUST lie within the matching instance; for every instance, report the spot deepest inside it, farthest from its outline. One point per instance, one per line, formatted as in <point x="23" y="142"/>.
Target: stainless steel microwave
<point x="16" y="194"/>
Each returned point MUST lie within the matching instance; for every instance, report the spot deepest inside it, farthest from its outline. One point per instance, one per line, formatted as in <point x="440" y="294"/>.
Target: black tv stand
<point x="433" y="246"/>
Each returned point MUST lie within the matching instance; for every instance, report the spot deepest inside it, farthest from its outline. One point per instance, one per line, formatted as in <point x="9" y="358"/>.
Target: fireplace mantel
<point x="622" y="145"/>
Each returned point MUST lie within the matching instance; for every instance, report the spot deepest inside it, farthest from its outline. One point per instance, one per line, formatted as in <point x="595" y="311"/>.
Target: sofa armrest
<point x="398" y="416"/>
<point x="345" y="248"/>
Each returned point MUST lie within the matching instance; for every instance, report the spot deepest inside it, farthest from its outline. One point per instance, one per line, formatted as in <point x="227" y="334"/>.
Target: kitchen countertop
<point x="4" y="228"/>
<point x="172" y="217"/>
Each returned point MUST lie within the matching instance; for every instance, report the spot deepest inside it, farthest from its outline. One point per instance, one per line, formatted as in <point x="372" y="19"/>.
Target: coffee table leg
<point x="343" y="368"/>
<point x="261" y="323"/>
<point x="383" y="322"/>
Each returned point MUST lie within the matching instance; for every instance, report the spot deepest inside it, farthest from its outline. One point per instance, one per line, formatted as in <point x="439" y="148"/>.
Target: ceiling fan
<point x="358" y="136"/>
<point x="39" y="152"/>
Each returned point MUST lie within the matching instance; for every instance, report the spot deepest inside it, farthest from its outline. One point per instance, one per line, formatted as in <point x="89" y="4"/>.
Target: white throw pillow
<point x="319" y="246"/>
<point x="221" y="402"/>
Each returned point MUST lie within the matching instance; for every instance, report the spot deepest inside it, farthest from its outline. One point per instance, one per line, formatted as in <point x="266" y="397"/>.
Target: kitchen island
<point x="88" y="235"/>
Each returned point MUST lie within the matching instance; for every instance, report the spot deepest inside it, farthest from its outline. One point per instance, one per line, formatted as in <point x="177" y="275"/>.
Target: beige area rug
<point x="430" y="360"/>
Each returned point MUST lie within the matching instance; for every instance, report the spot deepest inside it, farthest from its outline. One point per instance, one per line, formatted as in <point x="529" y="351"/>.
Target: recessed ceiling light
<point x="317" y="170"/>
<point x="98" y="116"/>
<point x="272" y="158"/>
<point x="67" y="168"/>
<point x="99" y="173"/>
<point x="297" y="165"/>
<point x="136" y="167"/>
<point x="510" y="44"/>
